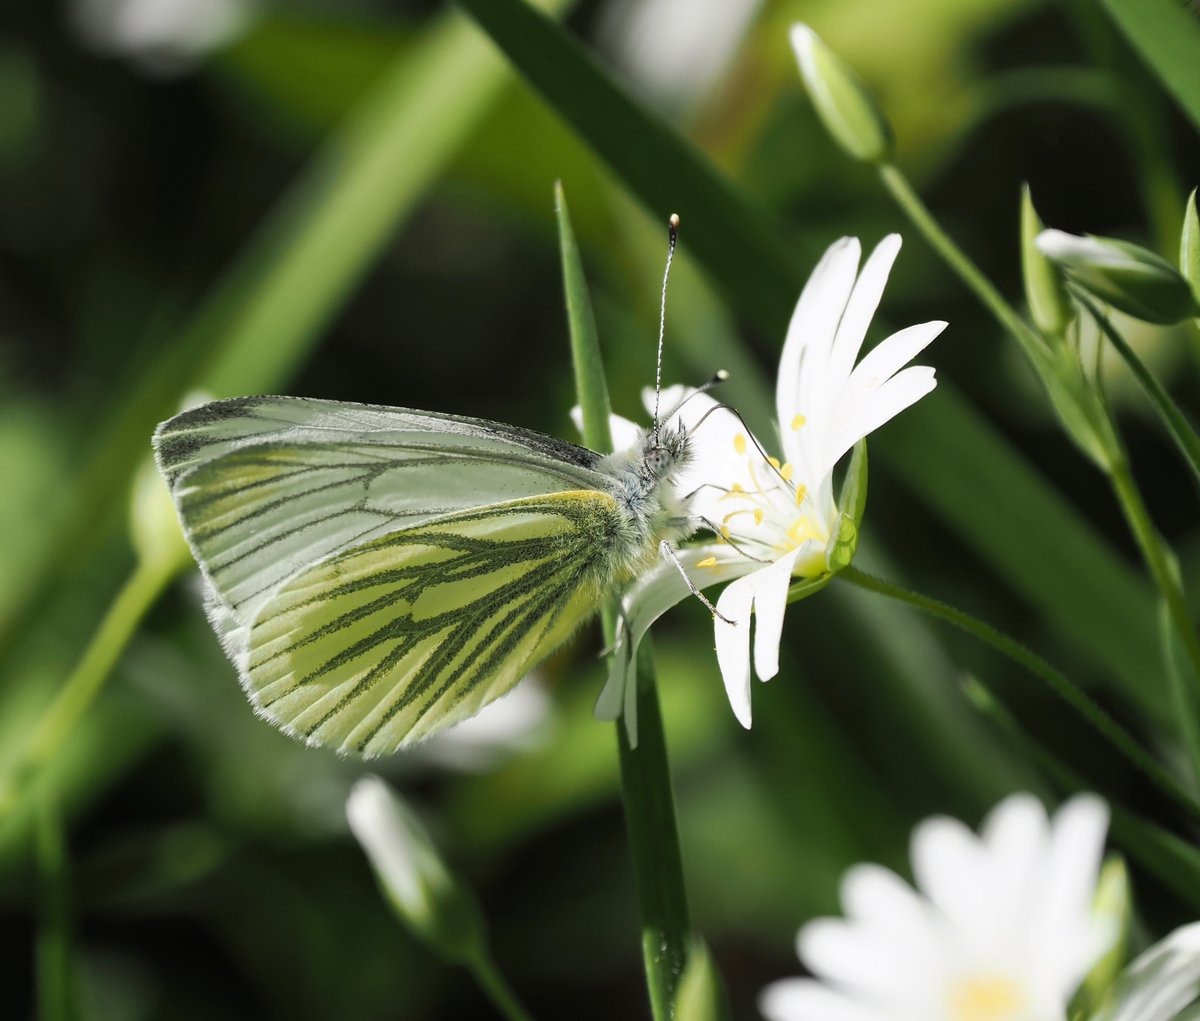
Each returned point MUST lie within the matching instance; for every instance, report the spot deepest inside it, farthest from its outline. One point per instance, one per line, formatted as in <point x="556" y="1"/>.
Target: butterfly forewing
<point x="266" y="486"/>
<point x="382" y="643"/>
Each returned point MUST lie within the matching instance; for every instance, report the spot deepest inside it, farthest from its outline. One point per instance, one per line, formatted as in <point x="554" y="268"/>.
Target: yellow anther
<point x="798" y="421"/>
<point x="801" y="493"/>
<point x="708" y="562"/>
<point x="724" y="532"/>
<point x="758" y="516"/>
<point x="786" y="472"/>
<point x="774" y="461"/>
<point x="739" y="443"/>
<point x="736" y="488"/>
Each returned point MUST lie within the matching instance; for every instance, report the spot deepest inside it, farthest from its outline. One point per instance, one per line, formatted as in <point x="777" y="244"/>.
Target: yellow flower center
<point x="987" y="998"/>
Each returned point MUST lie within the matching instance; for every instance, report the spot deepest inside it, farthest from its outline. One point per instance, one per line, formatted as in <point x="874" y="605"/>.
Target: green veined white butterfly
<point x="378" y="573"/>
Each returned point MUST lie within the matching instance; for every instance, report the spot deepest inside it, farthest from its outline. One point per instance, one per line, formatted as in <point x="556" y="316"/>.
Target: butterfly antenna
<point x="672" y="237"/>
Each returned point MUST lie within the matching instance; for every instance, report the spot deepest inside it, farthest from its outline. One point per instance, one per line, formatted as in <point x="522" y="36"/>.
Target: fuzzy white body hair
<point x="649" y="506"/>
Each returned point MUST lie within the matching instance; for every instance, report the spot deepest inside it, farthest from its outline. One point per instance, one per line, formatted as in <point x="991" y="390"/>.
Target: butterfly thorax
<point x="650" y="508"/>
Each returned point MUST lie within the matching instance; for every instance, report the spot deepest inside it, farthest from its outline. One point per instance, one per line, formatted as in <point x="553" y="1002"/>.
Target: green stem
<point x="654" y="842"/>
<point x="497" y="989"/>
<point x="645" y="772"/>
<point x="121" y="620"/>
<point x="1114" y="460"/>
<point x="916" y="210"/>
<point x="1104" y="724"/>
<point x="1166" y="576"/>
<point x="1178" y="426"/>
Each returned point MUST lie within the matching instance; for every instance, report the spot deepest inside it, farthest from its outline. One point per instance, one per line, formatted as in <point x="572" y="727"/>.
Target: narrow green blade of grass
<point x="1055" y="561"/>
<point x="666" y="172"/>
<point x="1166" y="34"/>
<point x="55" y="979"/>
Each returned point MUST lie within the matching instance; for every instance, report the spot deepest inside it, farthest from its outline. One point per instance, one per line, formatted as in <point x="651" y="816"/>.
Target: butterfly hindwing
<point x="266" y="486"/>
<point x="382" y="643"/>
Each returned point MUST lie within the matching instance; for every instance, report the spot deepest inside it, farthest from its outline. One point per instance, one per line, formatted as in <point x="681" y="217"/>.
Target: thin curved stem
<point x="135" y="598"/>
<point x="1181" y="430"/>
<point x="1108" y="728"/>
<point x="493" y="983"/>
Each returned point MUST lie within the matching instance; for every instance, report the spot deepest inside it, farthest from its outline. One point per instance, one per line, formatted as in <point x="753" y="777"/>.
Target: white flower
<point x="776" y="518"/>
<point x="1002" y="929"/>
<point x="163" y="36"/>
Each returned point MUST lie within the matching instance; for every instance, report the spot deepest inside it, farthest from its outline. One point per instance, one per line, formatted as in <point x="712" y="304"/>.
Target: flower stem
<point x="493" y="983"/>
<point x="916" y="210"/>
<point x="645" y="771"/>
<point x="1162" y="566"/>
<point x="1178" y="426"/>
<point x="654" y="842"/>
<point x="1114" y="461"/>
<point x="1060" y="684"/>
<point x="140" y="591"/>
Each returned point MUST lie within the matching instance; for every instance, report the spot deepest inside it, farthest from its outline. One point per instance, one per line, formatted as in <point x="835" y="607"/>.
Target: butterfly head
<point x="663" y="452"/>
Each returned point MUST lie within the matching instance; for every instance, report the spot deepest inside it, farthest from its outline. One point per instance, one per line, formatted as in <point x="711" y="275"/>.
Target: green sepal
<point x="1112" y="900"/>
<point x="841" y="100"/>
<point x="806" y="587"/>
<point x="1045" y="291"/>
<point x="853" y="504"/>
<point x="1189" y="246"/>
<point x="701" y="995"/>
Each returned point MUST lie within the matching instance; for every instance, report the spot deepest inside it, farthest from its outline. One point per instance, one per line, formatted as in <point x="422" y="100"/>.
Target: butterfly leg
<point x="669" y="552"/>
<point x="716" y="530"/>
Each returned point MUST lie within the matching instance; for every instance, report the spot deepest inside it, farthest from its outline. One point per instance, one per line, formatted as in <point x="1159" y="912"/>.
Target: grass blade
<point x="1166" y="34"/>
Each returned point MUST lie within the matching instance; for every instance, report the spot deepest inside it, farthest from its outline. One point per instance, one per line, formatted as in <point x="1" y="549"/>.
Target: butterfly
<point x="378" y="573"/>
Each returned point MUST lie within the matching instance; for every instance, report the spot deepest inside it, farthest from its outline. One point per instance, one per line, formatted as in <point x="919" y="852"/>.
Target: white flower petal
<point x="864" y="300"/>
<point x="868" y="965"/>
<point x="802" y="365"/>
<point x="949" y="864"/>
<point x="901" y="391"/>
<point x="770" y="602"/>
<point x="1161" y="982"/>
<point x="1071" y="935"/>
<point x="733" y="644"/>
<point x="883" y="361"/>
<point x="647" y="599"/>
<point x="801" y="999"/>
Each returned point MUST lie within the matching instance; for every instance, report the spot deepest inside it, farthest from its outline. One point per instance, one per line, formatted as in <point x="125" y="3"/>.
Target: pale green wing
<point x="380" y="645"/>
<point x="266" y="486"/>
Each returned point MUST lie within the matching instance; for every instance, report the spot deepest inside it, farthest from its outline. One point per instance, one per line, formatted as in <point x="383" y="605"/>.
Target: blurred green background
<point x="354" y="201"/>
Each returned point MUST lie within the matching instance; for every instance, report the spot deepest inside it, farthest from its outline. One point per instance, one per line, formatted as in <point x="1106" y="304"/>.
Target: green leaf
<point x="957" y="464"/>
<point x="590" y="384"/>
<point x="853" y="497"/>
<point x="1189" y="246"/>
<point x="1166" y="34"/>
<point x="737" y="243"/>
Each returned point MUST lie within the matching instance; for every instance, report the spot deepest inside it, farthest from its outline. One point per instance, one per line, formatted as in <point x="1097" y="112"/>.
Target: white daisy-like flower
<point x="1002" y="925"/>
<point x="776" y="517"/>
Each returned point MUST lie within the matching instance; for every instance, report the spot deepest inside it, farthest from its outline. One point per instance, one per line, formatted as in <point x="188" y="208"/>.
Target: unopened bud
<point x="1189" y="246"/>
<point x="1126" y="276"/>
<point x="842" y="101"/>
<point x="1049" y="304"/>
<point x="153" y="524"/>
<point x="425" y="896"/>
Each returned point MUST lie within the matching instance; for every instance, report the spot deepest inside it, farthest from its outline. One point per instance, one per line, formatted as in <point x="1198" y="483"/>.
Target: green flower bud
<point x="1124" y="275"/>
<point x="842" y="101"/>
<point x="153" y="525"/>
<point x="1189" y="246"/>
<point x="701" y="995"/>
<point x="1112" y="902"/>
<point x="1049" y="304"/>
<point x="421" y="890"/>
